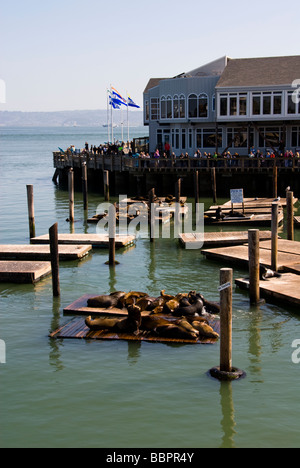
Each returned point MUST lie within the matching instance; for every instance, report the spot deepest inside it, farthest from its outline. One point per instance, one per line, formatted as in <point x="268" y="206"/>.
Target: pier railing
<point x="123" y="163"/>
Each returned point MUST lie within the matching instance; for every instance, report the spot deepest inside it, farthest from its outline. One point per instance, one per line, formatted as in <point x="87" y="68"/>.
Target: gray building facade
<point x="226" y="105"/>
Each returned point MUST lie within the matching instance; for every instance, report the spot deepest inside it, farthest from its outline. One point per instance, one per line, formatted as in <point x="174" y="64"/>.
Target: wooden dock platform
<point x="285" y="290"/>
<point x="77" y="329"/>
<point x="219" y="239"/>
<point x="42" y="252"/>
<point x="257" y="211"/>
<point x="96" y="240"/>
<point x="297" y="221"/>
<point x="288" y="255"/>
<point x="23" y="272"/>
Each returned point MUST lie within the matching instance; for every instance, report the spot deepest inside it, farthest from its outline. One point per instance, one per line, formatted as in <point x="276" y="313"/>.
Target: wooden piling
<point x="151" y="214"/>
<point x="106" y="185"/>
<point x="274" y="241"/>
<point x="30" y="203"/>
<point x="196" y="187"/>
<point x="214" y="184"/>
<point x="226" y="371"/>
<point x="226" y="278"/>
<point x="253" y="240"/>
<point x="71" y="195"/>
<point x="112" y="234"/>
<point x="84" y="186"/>
<point x="53" y="238"/>
<point x="290" y="215"/>
<point x="275" y="181"/>
<point x="178" y="190"/>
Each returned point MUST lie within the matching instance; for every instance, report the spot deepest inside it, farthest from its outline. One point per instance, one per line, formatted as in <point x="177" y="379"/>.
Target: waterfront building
<point x="233" y="105"/>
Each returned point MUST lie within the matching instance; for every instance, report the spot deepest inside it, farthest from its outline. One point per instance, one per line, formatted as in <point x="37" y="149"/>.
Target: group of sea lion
<point x="182" y="316"/>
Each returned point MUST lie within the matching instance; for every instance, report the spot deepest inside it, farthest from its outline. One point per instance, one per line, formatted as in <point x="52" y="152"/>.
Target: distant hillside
<point x="81" y="118"/>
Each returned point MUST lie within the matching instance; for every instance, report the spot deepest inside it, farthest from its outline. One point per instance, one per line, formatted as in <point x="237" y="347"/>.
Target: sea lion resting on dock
<point x="106" y="301"/>
<point x="130" y="324"/>
<point x="266" y="273"/>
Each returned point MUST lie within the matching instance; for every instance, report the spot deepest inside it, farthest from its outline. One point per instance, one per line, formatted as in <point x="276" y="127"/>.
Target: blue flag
<point x="131" y="103"/>
<point x="114" y="104"/>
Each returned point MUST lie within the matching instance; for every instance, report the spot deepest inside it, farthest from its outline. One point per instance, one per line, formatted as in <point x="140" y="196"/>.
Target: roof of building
<point x="153" y="82"/>
<point x="252" y="72"/>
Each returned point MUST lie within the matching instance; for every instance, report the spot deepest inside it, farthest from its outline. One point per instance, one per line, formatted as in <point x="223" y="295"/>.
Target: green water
<point x="77" y="393"/>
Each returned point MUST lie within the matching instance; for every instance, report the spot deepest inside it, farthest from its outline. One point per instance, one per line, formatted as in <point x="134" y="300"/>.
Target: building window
<point x="199" y="138"/>
<point x="238" y="138"/>
<point x="192" y="106"/>
<point x="183" y="138"/>
<point x="256" y="99"/>
<point x="233" y="104"/>
<point x="154" y="108"/>
<point x="182" y="107"/>
<point x="277" y="104"/>
<point x="296" y="137"/>
<point x="147" y="110"/>
<point x="224" y="105"/>
<point x="190" y="138"/>
<point x="163" y="108"/>
<point x="203" y="106"/>
<point x="292" y="107"/>
<point x="169" y="107"/>
<point x="176" y="107"/>
<point x="270" y="136"/>
<point x="198" y="106"/>
<point x="242" y="104"/>
<point x="266" y="104"/>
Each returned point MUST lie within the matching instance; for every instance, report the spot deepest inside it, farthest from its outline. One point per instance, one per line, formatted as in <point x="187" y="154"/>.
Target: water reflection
<point x="227" y="422"/>
<point x="55" y="355"/>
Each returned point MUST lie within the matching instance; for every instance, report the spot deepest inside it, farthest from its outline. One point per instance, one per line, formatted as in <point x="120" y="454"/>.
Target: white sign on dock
<point x="237" y="196"/>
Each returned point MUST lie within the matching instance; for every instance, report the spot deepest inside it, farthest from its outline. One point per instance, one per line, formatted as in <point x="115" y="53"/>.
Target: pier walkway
<point x="125" y="163"/>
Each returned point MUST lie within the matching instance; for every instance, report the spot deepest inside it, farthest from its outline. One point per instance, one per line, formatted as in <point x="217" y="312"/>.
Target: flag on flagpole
<point x="131" y="103"/>
<point x="117" y="95"/>
<point x="114" y="104"/>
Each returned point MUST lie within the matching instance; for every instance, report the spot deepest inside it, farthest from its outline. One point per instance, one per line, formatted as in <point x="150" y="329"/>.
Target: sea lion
<point x="186" y="325"/>
<point x="170" y="306"/>
<point x="103" y="302"/>
<point x="150" y="323"/>
<point x="129" y="324"/>
<point x="205" y="329"/>
<point x="127" y="299"/>
<point x="185" y="310"/>
<point x="102" y="323"/>
<point x="210" y="307"/>
<point x="166" y="297"/>
<point x="175" y="331"/>
<point x="266" y="273"/>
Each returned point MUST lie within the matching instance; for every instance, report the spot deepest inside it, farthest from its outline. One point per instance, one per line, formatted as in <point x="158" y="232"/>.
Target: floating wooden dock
<point x="288" y="255"/>
<point x="96" y="240"/>
<point x="297" y="221"/>
<point x="80" y="307"/>
<point x="23" y="272"/>
<point x="285" y="290"/>
<point x="77" y="329"/>
<point x="42" y="252"/>
<point x="218" y="239"/>
<point x="257" y="211"/>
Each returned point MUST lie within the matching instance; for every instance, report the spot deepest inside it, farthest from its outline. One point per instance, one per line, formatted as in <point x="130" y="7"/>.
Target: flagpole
<point x="112" y="131"/>
<point x="127" y="118"/>
<point x="107" y="115"/>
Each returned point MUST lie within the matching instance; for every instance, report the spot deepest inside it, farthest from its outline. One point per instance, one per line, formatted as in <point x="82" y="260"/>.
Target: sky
<point x="64" y="54"/>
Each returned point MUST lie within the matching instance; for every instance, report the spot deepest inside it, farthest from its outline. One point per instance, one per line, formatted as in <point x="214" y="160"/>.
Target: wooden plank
<point x="96" y="240"/>
<point x="239" y="255"/>
<point x="285" y="290"/>
<point x="23" y="272"/>
<point x="76" y="329"/>
<point x="256" y="219"/>
<point x="42" y="252"/>
<point x="286" y="246"/>
<point x="218" y="239"/>
<point x="260" y="202"/>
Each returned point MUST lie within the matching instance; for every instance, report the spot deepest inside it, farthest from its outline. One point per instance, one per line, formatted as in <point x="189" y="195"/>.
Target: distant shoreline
<point x="68" y="119"/>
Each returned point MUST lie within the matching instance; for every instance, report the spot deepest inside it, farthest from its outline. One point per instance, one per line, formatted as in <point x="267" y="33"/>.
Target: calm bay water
<point x="76" y="393"/>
